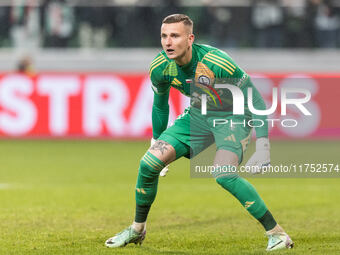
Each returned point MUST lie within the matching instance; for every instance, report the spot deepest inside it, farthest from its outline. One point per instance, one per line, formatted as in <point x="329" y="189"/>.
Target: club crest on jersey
<point x="204" y="80"/>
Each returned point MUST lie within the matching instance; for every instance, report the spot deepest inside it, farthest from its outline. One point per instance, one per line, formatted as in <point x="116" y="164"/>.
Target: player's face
<point x="176" y="39"/>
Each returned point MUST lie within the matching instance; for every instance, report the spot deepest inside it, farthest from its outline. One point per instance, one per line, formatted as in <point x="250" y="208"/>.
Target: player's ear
<point x="191" y="38"/>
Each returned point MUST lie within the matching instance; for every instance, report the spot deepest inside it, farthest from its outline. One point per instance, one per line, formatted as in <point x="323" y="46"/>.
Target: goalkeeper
<point x="194" y="70"/>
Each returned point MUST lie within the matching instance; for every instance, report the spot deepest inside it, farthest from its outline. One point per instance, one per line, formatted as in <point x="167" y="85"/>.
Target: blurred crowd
<point x="263" y="24"/>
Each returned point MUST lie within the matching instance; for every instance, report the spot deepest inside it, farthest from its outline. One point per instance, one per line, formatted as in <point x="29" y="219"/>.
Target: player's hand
<point x="166" y="168"/>
<point x="261" y="157"/>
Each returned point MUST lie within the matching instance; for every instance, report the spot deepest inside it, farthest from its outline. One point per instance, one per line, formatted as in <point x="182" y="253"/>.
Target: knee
<point x="163" y="151"/>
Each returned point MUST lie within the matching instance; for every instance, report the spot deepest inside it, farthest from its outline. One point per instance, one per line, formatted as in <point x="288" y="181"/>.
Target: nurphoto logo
<point x="238" y="106"/>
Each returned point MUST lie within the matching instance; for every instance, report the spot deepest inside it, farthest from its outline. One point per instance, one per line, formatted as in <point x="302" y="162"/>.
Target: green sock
<point x="146" y="187"/>
<point x="267" y="221"/>
<point x="142" y="212"/>
<point x="244" y="192"/>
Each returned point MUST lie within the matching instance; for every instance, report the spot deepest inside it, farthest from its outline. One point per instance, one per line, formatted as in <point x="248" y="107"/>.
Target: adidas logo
<point x="230" y="138"/>
<point x="141" y="190"/>
<point x="248" y="204"/>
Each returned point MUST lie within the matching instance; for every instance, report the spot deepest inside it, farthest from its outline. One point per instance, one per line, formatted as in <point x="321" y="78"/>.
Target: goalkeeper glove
<point x="166" y="168"/>
<point x="261" y="157"/>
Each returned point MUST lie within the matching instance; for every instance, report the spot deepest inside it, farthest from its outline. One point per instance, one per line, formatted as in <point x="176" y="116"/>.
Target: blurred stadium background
<point x="113" y="42"/>
<point x="75" y="104"/>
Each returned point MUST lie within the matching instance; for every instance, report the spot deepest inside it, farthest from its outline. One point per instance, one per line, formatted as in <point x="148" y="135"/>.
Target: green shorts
<point x="193" y="132"/>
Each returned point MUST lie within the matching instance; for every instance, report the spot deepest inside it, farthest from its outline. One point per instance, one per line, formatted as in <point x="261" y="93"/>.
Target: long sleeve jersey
<point x="208" y="67"/>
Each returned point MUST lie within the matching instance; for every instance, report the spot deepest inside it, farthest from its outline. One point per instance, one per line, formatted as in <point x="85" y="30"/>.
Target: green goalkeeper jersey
<point x="208" y="66"/>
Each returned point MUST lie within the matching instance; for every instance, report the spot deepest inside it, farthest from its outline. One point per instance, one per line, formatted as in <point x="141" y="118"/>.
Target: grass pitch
<point x="68" y="197"/>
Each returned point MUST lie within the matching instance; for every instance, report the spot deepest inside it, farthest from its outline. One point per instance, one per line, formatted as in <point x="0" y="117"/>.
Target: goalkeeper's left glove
<point x="166" y="168"/>
<point x="261" y="157"/>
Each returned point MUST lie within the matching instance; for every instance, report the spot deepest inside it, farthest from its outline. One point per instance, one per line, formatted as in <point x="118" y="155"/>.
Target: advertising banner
<point x="118" y="106"/>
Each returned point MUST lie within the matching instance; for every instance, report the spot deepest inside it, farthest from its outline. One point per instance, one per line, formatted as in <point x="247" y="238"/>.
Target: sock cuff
<point x="142" y="212"/>
<point x="153" y="161"/>
<point x="267" y="221"/>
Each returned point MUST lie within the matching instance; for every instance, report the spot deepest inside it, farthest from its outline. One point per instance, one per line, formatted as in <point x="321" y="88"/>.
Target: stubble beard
<point x="182" y="56"/>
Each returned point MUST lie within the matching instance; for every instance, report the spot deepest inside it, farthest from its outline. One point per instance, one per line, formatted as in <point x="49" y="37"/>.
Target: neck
<point x="185" y="59"/>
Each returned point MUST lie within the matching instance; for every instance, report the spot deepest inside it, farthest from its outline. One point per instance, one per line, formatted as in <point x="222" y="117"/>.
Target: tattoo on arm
<point x="160" y="146"/>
